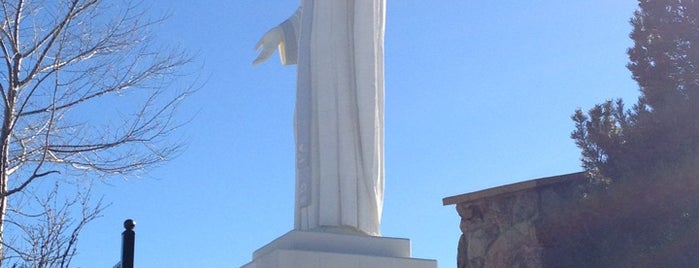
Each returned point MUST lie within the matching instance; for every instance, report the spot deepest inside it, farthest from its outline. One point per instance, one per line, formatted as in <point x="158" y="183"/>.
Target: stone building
<point x="561" y="222"/>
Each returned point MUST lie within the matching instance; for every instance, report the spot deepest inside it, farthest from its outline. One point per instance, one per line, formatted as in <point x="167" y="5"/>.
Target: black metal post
<point x="128" y="240"/>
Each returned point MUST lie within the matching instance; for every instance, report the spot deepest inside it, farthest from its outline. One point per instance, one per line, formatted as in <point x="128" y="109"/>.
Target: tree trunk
<point x="6" y="139"/>
<point x="4" y="176"/>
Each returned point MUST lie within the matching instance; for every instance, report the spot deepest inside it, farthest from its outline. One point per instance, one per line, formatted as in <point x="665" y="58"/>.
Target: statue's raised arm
<point x="285" y="37"/>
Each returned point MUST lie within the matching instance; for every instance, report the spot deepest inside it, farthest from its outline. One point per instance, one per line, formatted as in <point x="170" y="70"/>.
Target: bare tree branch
<point x="51" y="234"/>
<point x="64" y="60"/>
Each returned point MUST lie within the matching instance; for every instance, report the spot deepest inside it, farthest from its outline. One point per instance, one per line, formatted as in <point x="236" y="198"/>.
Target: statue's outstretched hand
<point x="269" y="43"/>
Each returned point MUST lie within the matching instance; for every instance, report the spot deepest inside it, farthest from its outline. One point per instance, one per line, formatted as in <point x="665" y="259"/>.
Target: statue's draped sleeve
<point x="288" y="48"/>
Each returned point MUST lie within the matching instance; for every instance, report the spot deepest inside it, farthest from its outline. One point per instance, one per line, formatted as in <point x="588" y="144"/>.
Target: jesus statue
<point x="338" y="123"/>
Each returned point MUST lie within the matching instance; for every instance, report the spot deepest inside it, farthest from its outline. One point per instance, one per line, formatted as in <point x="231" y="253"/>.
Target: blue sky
<point x="478" y="94"/>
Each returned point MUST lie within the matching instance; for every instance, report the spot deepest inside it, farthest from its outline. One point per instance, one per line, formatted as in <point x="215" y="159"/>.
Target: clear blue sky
<point x="478" y="94"/>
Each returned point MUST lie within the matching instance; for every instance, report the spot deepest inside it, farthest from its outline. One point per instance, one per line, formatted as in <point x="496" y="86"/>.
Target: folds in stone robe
<point x="338" y="47"/>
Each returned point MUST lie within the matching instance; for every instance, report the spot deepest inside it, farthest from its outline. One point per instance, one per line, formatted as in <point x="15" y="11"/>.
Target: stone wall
<point x="499" y="225"/>
<point x="563" y="222"/>
<point x="500" y="233"/>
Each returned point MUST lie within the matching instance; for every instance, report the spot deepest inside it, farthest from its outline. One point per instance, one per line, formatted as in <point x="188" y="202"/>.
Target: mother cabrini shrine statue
<point x="338" y="47"/>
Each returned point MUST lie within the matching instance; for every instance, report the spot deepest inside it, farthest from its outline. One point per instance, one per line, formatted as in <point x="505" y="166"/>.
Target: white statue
<point x="338" y="47"/>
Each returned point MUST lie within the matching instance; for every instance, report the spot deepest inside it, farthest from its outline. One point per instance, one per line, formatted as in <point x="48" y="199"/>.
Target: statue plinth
<point x="322" y="249"/>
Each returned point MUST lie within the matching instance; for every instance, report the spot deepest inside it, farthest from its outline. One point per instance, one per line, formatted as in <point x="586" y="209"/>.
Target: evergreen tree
<point x="661" y="131"/>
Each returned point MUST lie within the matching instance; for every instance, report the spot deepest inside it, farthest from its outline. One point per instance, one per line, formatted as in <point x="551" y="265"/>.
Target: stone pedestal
<point x="303" y="249"/>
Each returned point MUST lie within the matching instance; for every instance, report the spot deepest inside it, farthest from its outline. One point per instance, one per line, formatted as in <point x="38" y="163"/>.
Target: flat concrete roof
<point x="511" y="188"/>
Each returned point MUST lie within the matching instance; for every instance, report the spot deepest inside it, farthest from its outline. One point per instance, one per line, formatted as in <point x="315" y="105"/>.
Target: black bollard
<point x="128" y="240"/>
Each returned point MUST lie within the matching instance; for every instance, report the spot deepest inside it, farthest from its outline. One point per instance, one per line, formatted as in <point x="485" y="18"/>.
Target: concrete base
<point x="302" y="249"/>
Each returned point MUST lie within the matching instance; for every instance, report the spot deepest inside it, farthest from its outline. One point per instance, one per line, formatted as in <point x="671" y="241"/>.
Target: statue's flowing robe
<point x="338" y="47"/>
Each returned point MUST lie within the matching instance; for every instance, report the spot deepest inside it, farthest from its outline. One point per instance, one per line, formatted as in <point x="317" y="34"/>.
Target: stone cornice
<point x="511" y="188"/>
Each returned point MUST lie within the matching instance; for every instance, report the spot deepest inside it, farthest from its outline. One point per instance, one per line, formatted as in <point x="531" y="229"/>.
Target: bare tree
<point x="47" y="227"/>
<point x="84" y="93"/>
